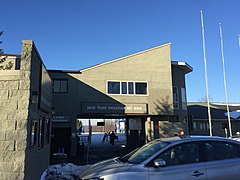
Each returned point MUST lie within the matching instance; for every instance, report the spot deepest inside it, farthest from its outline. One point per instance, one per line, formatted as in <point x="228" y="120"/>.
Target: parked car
<point x="174" y="158"/>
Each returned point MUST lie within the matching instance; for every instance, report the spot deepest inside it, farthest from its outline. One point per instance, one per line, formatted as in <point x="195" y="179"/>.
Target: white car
<point x="181" y="158"/>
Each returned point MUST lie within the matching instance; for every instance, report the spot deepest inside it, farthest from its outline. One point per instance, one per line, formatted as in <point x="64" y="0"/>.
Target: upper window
<point x="124" y="87"/>
<point x="60" y="85"/>
<point x="117" y="87"/>
<point x="113" y="87"/>
<point x="141" y="88"/>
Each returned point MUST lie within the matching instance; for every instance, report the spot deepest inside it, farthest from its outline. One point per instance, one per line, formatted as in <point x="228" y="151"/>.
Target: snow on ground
<point x="67" y="171"/>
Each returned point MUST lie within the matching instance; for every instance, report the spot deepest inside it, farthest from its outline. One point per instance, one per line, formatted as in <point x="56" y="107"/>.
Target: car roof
<point x="180" y="139"/>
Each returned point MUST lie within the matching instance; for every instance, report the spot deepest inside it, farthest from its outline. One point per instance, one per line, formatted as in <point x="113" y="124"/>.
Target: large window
<point x="141" y="88"/>
<point x="60" y="85"/>
<point x="113" y="87"/>
<point x="135" y="88"/>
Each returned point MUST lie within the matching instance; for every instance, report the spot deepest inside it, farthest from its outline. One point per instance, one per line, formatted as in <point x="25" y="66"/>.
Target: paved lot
<point x="99" y="151"/>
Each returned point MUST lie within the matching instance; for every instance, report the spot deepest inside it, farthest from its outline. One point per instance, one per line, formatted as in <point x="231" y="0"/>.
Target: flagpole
<point x="239" y="40"/>
<point x="206" y="76"/>
<point x="225" y="81"/>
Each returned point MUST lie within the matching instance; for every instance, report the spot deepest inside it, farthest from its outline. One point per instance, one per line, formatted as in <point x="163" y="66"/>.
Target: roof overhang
<point x="183" y="65"/>
<point x="64" y="71"/>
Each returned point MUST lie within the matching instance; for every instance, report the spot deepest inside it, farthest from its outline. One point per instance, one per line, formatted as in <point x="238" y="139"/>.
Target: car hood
<point x="104" y="167"/>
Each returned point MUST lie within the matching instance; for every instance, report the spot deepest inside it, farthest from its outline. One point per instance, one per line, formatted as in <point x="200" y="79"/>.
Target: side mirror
<point x="159" y="163"/>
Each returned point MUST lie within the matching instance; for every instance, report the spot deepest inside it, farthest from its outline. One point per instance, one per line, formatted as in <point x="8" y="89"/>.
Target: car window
<point x="141" y="154"/>
<point x="220" y="150"/>
<point x="181" y="154"/>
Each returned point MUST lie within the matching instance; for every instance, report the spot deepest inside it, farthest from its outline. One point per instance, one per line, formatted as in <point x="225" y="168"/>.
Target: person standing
<point x="112" y="138"/>
<point x="104" y="137"/>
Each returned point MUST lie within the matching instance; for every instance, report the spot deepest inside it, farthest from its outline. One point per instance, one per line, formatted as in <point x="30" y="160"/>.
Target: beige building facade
<point x="25" y="98"/>
<point x="145" y="88"/>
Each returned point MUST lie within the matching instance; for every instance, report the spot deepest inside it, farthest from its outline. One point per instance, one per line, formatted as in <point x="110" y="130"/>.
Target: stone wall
<point x="19" y="159"/>
<point x="12" y="133"/>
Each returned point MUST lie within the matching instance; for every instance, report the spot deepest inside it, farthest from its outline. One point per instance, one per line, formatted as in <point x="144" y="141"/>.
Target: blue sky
<point x="75" y="34"/>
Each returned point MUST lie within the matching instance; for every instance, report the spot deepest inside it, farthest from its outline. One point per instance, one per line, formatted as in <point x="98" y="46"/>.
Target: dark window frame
<point x="175" y="95"/>
<point x="34" y="133"/>
<point x="139" y="85"/>
<point x="114" y="87"/>
<point x="41" y="132"/>
<point x="48" y="130"/>
<point x="60" y="89"/>
<point x="127" y="88"/>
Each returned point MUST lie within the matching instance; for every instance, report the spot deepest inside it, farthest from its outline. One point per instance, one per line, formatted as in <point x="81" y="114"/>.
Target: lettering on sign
<point x="109" y="108"/>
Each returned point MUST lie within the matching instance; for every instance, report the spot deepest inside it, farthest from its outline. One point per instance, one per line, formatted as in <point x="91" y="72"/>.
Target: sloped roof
<point x="124" y="57"/>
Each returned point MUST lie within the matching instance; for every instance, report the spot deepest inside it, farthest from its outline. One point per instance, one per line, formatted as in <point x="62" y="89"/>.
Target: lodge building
<point x="146" y="89"/>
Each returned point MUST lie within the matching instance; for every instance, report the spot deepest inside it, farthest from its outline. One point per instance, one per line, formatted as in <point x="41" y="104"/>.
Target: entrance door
<point x="135" y="132"/>
<point x="61" y="137"/>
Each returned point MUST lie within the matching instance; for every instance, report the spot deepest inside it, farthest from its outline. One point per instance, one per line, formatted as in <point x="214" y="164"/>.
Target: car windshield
<point x="141" y="154"/>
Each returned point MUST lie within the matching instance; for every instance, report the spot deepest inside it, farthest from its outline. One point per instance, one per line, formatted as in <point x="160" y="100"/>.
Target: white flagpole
<point x="225" y="81"/>
<point x="239" y="40"/>
<point x="206" y="76"/>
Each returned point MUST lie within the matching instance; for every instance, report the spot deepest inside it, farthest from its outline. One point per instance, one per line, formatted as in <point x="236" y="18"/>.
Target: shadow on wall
<point x="168" y="124"/>
<point x="82" y="99"/>
<point x="79" y="101"/>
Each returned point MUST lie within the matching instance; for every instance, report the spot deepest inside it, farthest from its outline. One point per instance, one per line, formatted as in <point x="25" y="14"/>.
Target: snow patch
<point x="66" y="171"/>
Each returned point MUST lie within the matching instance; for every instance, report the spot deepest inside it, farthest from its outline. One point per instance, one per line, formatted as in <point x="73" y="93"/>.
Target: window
<point x="175" y="97"/>
<point x="124" y="87"/>
<point x="221" y="150"/>
<point x="48" y="131"/>
<point x="181" y="154"/>
<point x="41" y="132"/>
<point x="141" y="154"/>
<point x="60" y="85"/>
<point x="34" y="133"/>
<point x="141" y="88"/>
<point x="135" y="88"/>
<point x="130" y="88"/>
<point x="184" y="101"/>
<point x="113" y="87"/>
<point x="203" y="126"/>
<point x="194" y="126"/>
